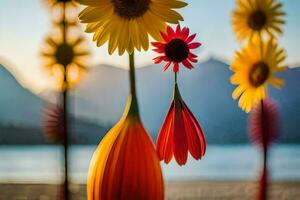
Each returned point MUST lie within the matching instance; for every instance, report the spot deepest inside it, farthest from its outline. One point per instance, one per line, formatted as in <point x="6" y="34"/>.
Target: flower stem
<point x="176" y="77"/>
<point x="264" y="180"/>
<point x="65" y="112"/>
<point x="134" y="104"/>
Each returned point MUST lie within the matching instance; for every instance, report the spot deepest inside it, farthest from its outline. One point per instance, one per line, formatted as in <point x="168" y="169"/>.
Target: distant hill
<point x="17" y="104"/>
<point x="21" y="116"/>
<point x="82" y="132"/>
<point x="100" y="98"/>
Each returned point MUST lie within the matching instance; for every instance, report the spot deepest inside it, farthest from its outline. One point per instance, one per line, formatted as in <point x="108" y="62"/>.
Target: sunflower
<point x="254" y="17"/>
<point x="254" y="67"/>
<point x="176" y="48"/>
<point x="69" y="56"/>
<point x="127" y="23"/>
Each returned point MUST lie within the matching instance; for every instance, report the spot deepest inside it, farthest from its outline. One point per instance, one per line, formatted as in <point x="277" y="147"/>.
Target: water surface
<point x="221" y="162"/>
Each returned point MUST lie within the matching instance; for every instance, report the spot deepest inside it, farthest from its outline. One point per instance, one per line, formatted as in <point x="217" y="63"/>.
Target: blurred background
<point x="97" y="102"/>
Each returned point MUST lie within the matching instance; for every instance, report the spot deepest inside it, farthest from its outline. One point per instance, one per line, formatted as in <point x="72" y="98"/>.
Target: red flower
<point x="53" y="123"/>
<point x="180" y="133"/>
<point x="264" y="123"/>
<point x="263" y="128"/>
<point x="176" y="48"/>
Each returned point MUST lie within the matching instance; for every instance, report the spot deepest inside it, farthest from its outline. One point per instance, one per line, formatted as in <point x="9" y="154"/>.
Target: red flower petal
<point x="159" y="59"/>
<point x="158" y="44"/>
<point x="164" y="142"/>
<point x="178" y="29"/>
<point x="167" y="66"/>
<point x="176" y="67"/>
<point x="194" y="45"/>
<point x="199" y="132"/>
<point x="187" y="64"/>
<point x="170" y="32"/>
<point x="165" y="37"/>
<point x="185" y="33"/>
<point x="190" y="38"/>
<point x="159" y="50"/>
<point x="180" y="138"/>
<point x="169" y="149"/>
<point x="192" y="59"/>
<point x="192" y="55"/>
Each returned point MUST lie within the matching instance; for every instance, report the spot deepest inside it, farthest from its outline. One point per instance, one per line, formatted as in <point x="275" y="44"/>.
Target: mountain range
<point x="98" y="101"/>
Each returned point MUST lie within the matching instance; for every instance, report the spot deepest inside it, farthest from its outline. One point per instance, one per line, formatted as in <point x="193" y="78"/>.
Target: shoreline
<point x="231" y="190"/>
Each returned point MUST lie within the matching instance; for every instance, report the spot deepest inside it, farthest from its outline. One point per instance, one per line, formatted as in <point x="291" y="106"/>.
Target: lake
<point x="42" y="164"/>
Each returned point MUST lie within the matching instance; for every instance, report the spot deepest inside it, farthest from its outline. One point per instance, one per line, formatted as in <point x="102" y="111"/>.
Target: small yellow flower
<point x="254" y="17"/>
<point x="253" y="69"/>
<point x="125" y="24"/>
<point x="70" y="55"/>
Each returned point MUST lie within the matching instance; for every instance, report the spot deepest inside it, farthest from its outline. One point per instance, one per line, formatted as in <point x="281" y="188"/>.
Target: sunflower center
<point x="177" y="50"/>
<point x="257" y="20"/>
<point x="259" y="74"/>
<point x="64" y="54"/>
<point x="130" y="8"/>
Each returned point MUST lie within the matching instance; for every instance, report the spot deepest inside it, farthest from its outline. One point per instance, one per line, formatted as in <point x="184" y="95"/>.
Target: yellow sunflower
<point x="253" y="69"/>
<point x="69" y="56"/>
<point x="127" y="23"/>
<point x="252" y="18"/>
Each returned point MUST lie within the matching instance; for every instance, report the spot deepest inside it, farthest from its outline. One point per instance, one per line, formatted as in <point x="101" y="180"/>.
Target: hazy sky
<point x="24" y="24"/>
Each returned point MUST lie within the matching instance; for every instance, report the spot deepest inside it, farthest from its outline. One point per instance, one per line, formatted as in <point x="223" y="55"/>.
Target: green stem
<point x="176" y="77"/>
<point x="134" y="104"/>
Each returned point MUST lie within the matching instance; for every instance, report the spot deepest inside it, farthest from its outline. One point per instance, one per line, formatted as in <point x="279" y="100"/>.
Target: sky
<point x="24" y="25"/>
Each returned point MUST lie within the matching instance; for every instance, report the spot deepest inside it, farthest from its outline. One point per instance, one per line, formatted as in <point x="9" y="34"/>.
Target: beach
<point x="190" y="190"/>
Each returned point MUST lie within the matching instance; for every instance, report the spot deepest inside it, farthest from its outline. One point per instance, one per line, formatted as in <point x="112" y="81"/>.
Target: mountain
<point x="288" y="99"/>
<point x="17" y="104"/>
<point x="98" y="102"/>
<point x="21" y="116"/>
<point x="102" y="95"/>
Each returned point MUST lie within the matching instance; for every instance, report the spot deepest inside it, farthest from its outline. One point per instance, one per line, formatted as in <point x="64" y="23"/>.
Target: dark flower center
<point x="64" y="54"/>
<point x="130" y="8"/>
<point x="259" y="74"/>
<point x="177" y="50"/>
<point x="257" y="20"/>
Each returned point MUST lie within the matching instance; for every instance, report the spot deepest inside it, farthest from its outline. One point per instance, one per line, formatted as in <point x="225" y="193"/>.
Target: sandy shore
<point x="190" y="190"/>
